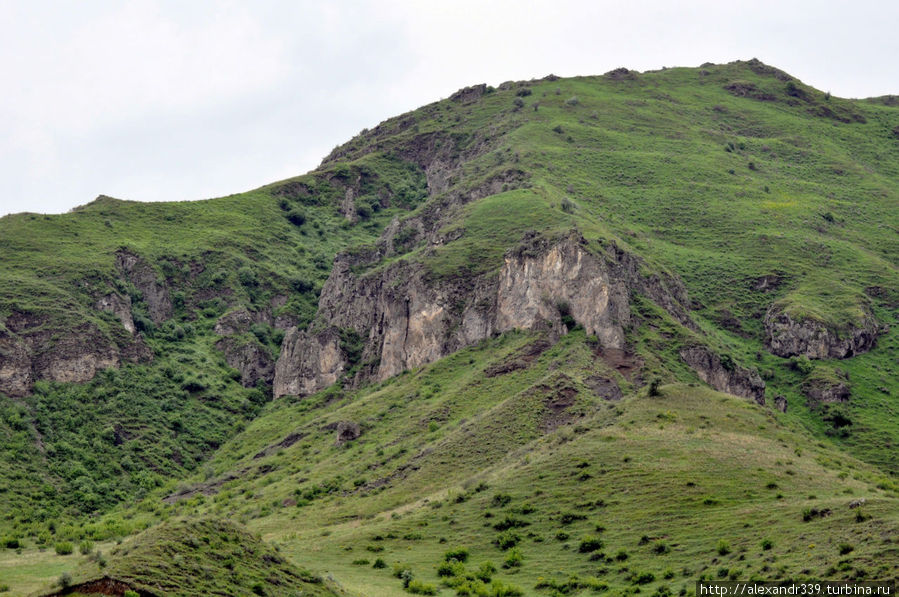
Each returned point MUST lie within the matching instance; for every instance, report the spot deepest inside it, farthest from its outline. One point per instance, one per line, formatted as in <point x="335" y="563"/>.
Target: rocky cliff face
<point x="308" y="362"/>
<point x="723" y="374"/>
<point x="33" y="349"/>
<point x="405" y="318"/>
<point x="250" y="358"/>
<point x="120" y="306"/>
<point x="787" y="337"/>
<point x="143" y="276"/>
<point x="246" y="354"/>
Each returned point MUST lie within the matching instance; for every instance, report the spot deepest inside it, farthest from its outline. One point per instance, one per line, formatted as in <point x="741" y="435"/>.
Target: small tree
<point x="296" y="216"/>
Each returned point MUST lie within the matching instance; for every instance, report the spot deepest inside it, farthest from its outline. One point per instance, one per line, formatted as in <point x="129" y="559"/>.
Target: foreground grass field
<point x="33" y="569"/>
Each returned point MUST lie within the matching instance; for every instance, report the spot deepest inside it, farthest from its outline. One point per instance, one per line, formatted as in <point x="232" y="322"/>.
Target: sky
<point x="157" y="100"/>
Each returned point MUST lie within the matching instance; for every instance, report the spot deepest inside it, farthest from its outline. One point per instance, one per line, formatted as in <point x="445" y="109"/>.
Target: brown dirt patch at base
<point x="622" y="361"/>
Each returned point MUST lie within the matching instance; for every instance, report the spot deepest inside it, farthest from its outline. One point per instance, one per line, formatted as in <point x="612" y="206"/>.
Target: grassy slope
<point x="688" y="469"/>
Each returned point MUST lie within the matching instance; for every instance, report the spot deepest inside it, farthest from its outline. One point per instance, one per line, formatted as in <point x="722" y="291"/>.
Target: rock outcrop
<point x="16" y="372"/>
<point x="723" y="374"/>
<point x="244" y="352"/>
<point x="787" y="337"/>
<point x="120" y="306"/>
<point x="820" y="390"/>
<point x="308" y="362"/>
<point x="240" y="320"/>
<point x="253" y="360"/>
<point x="155" y="292"/>
<point x="780" y="402"/>
<point x="407" y="318"/>
<point x="33" y="348"/>
<point x="347" y="431"/>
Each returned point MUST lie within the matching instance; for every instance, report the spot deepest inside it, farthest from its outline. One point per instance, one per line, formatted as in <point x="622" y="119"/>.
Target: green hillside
<point x="245" y="358"/>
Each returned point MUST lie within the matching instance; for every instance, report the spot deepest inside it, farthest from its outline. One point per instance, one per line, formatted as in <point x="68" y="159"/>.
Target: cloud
<point x="161" y="99"/>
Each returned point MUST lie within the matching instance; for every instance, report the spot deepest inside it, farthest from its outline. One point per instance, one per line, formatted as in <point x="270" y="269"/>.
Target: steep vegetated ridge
<point x="481" y="328"/>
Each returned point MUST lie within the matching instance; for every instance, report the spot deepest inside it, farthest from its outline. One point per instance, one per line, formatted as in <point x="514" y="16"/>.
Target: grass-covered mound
<point x="200" y="556"/>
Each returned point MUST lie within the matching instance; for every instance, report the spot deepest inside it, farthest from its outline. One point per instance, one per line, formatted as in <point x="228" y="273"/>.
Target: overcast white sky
<point x="169" y="100"/>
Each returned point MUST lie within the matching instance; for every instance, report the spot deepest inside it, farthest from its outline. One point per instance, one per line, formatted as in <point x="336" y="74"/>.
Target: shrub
<point x="572" y="101"/>
<point x="361" y="562"/>
<point x="416" y="587"/>
<point x="379" y="563"/>
<point x="845" y="548"/>
<point x="507" y="540"/>
<point x="661" y="548"/>
<point x="565" y="314"/>
<point x="11" y="543"/>
<point x="655" y="387"/>
<point x="302" y="285"/>
<point x="590" y="544"/>
<point x="510" y="522"/>
<point x="64" y="548"/>
<point x="501" y="589"/>
<point x="621" y="555"/>
<point x="837" y="415"/>
<point x="643" y="578"/>
<point x="802" y="364"/>
<point x="86" y="546"/>
<point x="460" y="554"/>
<point x="518" y="103"/>
<point x="523" y="92"/>
<point x="567" y="205"/>
<point x="723" y="548"/>
<point x="450" y="568"/>
<point x="514" y="559"/>
<point x="258" y="589"/>
<point x="500" y="499"/>
<point x="767" y="544"/>
<point x="296" y="216"/>
<point x="65" y="580"/>
<point x="247" y="277"/>
<point x="485" y="571"/>
<point x="130" y="593"/>
<point x="570" y="517"/>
